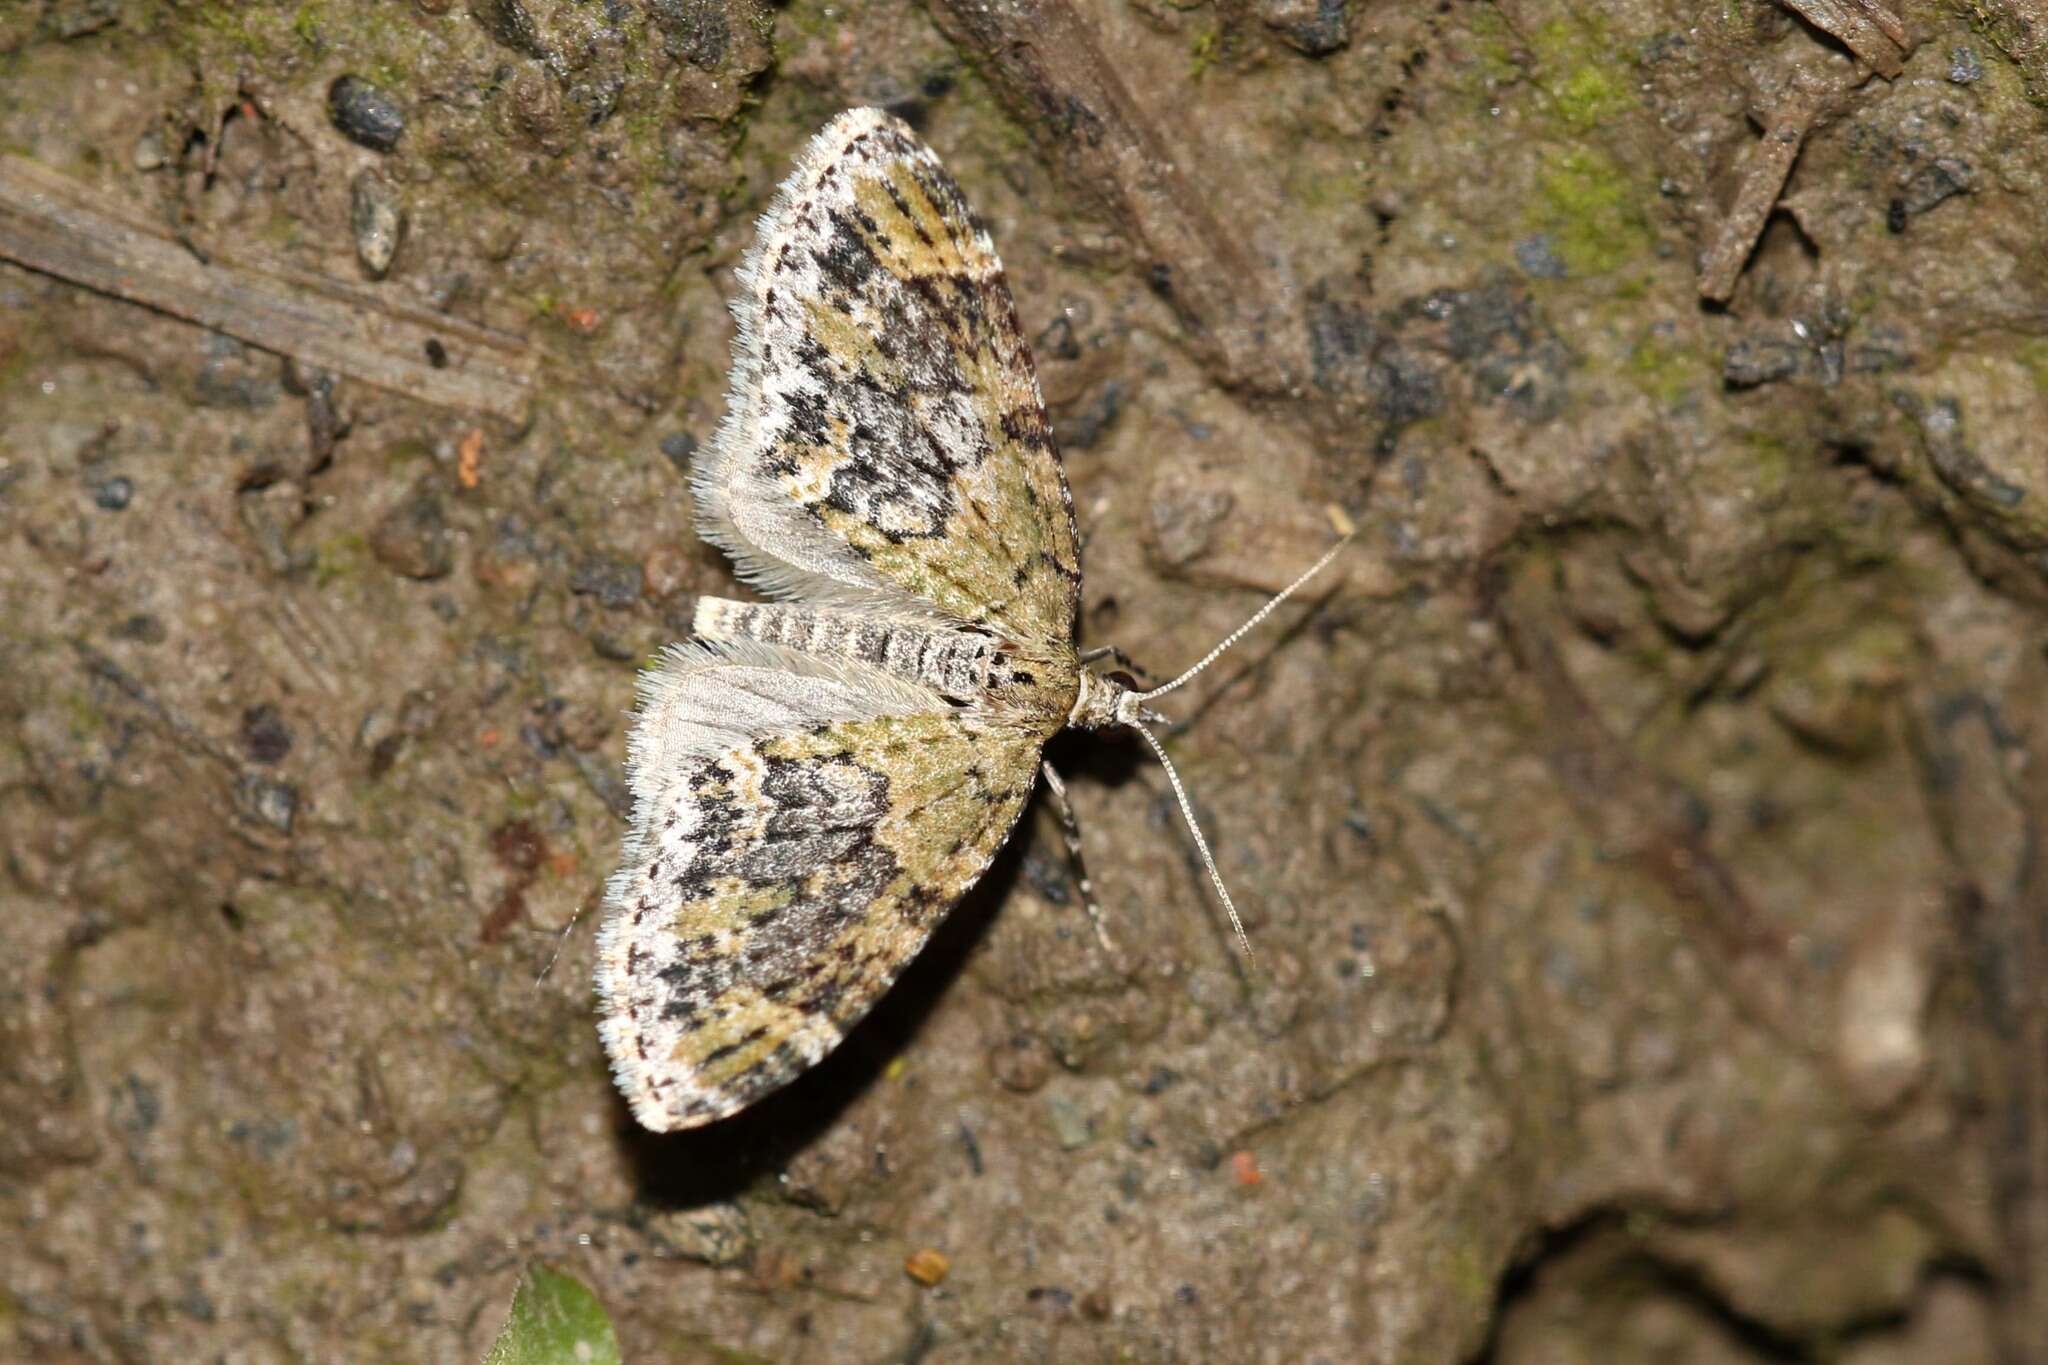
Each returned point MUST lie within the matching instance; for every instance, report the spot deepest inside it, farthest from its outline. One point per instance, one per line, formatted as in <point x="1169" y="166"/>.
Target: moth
<point x="821" y="775"/>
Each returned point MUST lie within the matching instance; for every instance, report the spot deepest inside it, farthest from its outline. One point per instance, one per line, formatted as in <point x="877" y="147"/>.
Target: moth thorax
<point x="1105" y="701"/>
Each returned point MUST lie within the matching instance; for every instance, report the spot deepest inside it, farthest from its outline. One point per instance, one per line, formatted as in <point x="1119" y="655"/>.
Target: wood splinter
<point x="56" y="226"/>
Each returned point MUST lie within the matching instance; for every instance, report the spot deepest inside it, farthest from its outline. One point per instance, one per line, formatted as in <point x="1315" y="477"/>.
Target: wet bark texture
<point x="1642" y="839"/>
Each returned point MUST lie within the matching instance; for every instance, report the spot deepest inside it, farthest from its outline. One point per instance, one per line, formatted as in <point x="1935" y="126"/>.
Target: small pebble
<point x="469" y="455"/>
<point x="364" y="114"/>
<point x="712" y="1234"/>
<point x="927" y="1266"/>
<point x="1022" y="1063"/>
<point x="265" y="737"/>
<point x="142" y="628"/>
<point x="1314" y="27"/>
<point x="1538" y="257"/>
<point x="149" y="151"/>
<point x="615" y="583"/>
<point x="413" y="538"/>
<point x="1761" y="360"/>
<point x="113" y="494"/>
<point x="681" y="448"/>
<point x="268" y="800"/>
<point x="1057" y="342"/>
<point x="377" y="221"/>
<point x="1070" y="1127"/>
<point x="1943" y="178"/>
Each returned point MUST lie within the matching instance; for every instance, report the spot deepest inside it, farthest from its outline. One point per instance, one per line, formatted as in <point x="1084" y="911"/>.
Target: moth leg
<point x="1138" y="670"/>
<point x="1071" y="828"/>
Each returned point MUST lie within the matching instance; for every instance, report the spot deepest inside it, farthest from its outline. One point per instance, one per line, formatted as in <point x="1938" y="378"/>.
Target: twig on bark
<point x="1881" y="43"/>
<point x="1763" y="179"/>
<point x="52" y="224"/>
<point x="1865" y="27"/>
<point x="1048" y="63"/>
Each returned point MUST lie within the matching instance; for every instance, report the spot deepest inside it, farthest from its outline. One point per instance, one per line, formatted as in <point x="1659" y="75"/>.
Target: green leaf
<point x="555" y="1321"/>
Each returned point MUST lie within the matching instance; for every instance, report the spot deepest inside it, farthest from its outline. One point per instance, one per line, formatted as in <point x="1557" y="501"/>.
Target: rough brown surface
<point x="1643" y="844"/>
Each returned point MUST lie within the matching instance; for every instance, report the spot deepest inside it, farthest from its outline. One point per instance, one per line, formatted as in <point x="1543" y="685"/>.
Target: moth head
<point x="1130" y="704"/>
<point x="1110" y="699"/>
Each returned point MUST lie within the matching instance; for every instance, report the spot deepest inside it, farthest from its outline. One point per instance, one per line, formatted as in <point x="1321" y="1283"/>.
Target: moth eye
<point x="1123" y="680"/>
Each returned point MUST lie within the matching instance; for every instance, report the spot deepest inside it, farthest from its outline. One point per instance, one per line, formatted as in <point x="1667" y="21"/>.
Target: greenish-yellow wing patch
<point x="772" y="890"/>
<point x="885" y="444"/>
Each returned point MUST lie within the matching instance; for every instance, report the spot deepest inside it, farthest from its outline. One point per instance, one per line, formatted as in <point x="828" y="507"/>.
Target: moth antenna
<point x="1187" y="813"/>
<point x="1261" y="614"/>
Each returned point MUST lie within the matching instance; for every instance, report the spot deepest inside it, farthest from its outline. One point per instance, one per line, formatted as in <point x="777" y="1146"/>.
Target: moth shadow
<point x="1108" y="758"/>
<point x="722" y="1160"/>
